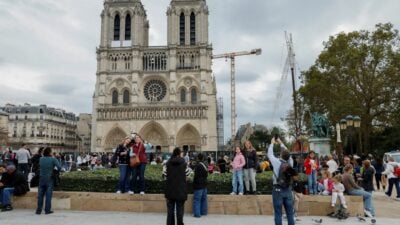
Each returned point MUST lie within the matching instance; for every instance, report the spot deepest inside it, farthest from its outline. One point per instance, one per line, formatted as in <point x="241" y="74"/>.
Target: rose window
<point x="155" y="90"/>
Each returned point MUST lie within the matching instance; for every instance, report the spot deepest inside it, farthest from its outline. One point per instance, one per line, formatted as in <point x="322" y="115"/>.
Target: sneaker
<point x="344" y="206"/>
<point x="240" y="193"/>
<point x="7" y="208"/>
<point x="233" y="193"/>
<point x="333" y="205"/>
<point x="367" y="213"/>
<point x="118" y="192"/>
<point x="131" y="192"/>
<point x="49" y="212"/>
<point x="142" y="192"/>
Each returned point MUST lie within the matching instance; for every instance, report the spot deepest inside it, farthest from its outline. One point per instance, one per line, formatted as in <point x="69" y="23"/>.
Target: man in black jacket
<point x="200" y="204"/>
<point x="12" y="183"/>
<point x="176" y="171"/>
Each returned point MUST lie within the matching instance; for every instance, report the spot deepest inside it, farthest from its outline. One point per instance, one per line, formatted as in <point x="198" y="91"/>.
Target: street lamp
<point x="349" y="123"/>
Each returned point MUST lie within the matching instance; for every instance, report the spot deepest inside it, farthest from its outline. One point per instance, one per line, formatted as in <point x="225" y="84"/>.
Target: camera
<point x="133" y="137"/>
<point x="276" y="137"/>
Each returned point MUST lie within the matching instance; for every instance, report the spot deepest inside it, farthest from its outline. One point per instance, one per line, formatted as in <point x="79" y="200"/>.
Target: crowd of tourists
<point x="325" y="175"/>
<point x="15" y="171"/>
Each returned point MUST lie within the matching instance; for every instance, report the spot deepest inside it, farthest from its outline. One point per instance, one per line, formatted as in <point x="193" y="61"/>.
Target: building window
<point x="183" y="95"/>
<point x="26" y="117"/>
<point x="193" y="96"/>
<point x="16" y="117"/>
<point x="128" y="27"/>
<point x="182" y="29"/>
<point x="116" y="27"/>
<point x="115" y="97"/>
<point x="192" y="29"/>
<point x="155" y="90"/>
<point x="126" y="97"/>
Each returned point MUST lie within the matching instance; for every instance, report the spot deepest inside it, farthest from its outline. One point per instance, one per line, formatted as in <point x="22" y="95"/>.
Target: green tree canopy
<point x="357" y="73"/>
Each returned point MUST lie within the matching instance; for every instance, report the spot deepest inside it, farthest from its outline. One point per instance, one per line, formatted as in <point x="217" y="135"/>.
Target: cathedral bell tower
<point x="187" y="22"/>
<point x="123" y="24"/>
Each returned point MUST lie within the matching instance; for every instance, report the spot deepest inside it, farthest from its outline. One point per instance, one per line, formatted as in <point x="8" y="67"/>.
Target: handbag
<point x="135" y="160"/>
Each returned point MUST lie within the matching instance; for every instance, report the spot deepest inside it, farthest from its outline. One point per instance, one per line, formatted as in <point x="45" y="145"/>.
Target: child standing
<point x="337" y="191"/>
<point x="237" y="173"/>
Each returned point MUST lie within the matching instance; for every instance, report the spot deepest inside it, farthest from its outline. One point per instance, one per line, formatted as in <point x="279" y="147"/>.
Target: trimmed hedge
<point x="106" y="180"/>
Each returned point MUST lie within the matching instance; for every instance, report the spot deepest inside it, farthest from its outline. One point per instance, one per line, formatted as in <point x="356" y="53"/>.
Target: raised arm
<point x="271" y="155"/>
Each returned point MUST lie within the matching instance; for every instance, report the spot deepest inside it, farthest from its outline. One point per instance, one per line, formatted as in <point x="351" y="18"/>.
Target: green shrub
<point x="106" y="180"/>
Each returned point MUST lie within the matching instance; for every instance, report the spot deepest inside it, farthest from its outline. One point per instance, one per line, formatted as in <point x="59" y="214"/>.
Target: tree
<point x="357" y="73"/>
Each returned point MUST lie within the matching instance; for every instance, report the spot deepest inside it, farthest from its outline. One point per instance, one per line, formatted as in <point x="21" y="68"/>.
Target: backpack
<point x="283" y="179"/>
<point x="396" y="170"/>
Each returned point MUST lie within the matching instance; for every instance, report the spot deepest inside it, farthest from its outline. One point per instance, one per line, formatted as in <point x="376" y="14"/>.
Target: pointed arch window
<point x="117" y="28"/>
<point x="183" y="95"/>
<point x="182" y="29"/>
<point x="115" y="97"/>
<point x="192" y="29"/>
<point x="193" y="96"/>
<point x="128" y="22"/>
<point x="126" y="97"/>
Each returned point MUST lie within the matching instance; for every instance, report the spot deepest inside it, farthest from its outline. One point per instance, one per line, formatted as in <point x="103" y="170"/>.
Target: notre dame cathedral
<point x="165" y="93"/>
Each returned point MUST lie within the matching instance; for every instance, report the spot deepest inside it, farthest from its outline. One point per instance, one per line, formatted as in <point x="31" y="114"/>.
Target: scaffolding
<point x="220" y="123"/>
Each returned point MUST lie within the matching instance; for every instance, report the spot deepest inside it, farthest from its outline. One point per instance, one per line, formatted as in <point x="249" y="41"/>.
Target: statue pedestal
<point x="321" y="146"/>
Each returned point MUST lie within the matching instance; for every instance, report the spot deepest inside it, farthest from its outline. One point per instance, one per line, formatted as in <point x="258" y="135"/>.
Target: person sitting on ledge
<point x="352" y="188"/>
<point x="12" y="183"/>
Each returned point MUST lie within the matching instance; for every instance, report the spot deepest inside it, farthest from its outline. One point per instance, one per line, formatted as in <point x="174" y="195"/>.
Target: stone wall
<point x="155" y="203"/>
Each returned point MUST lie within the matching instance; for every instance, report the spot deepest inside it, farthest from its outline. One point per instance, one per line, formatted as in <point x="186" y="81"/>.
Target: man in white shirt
<point x="23" y="157"/>
<point x="333" y="166"/>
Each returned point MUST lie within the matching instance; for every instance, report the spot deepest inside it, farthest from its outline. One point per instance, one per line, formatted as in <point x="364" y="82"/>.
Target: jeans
<point x="5" y="195"/>
<point x="24" y="168"/>
<point x="250" y="175"/>
<point x="200" y="204"/>
<point x="171" y="205"/>
<point x="138" y="172"/>
<point x="378" y="179"/>
<point x="237" y="177"/>
<point x="123" y="178"/>
<point x="395" y="182"/>
<point x="45" y="189"/>
<point x="283" y="197"/>
<point x="312" y="182"/>
<point x="367" y="197"/>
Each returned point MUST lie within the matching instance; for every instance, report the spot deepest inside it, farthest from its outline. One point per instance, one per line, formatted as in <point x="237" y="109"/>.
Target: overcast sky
<point x="47" y="47"/>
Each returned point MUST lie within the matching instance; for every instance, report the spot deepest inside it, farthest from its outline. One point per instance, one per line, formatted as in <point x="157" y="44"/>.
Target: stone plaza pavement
<point x="23" y="217"/>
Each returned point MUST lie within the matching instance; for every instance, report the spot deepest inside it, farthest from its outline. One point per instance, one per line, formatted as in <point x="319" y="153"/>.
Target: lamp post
<point x="349" y="124"/>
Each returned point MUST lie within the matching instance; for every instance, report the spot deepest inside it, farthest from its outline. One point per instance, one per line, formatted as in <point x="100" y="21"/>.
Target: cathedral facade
<point x="167" y="94"/>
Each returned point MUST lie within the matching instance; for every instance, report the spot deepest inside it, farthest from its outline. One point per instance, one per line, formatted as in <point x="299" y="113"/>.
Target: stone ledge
<point x="155" y="203"/>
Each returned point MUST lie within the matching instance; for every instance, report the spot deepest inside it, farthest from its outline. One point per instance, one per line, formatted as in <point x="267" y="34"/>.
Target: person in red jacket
<point x="311" y="166"/>
<point x="138" y="171"/>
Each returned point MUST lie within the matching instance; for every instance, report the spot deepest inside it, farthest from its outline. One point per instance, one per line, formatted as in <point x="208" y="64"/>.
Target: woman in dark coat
<point x="176" y="171"/>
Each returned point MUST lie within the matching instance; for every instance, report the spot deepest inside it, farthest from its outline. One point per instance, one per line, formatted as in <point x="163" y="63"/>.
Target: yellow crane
<point x="232" y="56"/>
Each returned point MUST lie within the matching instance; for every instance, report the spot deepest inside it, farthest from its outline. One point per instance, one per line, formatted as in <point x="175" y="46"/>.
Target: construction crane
<point x="232" y="57"/>
<point x="289" y="65"/>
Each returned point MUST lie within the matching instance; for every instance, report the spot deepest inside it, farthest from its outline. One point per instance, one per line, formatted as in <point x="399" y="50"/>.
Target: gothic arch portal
<point x="188" y="138"/>
<point x="113" y="138"/>
<point x="155" y="134"/>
